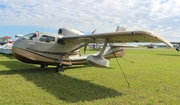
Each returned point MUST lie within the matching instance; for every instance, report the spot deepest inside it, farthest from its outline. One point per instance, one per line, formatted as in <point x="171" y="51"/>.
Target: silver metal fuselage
<point x="48" y="49"/>
<point x="38" y="51"/>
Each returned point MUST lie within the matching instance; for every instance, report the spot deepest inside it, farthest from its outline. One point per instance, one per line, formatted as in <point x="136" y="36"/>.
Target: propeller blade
<point x="86" y="45"/>
<point x="85" y="49"/>
<point x="93" y="31"/>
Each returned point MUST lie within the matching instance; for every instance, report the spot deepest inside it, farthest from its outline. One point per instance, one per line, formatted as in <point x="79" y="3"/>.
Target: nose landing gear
<point x="59" y="67"/>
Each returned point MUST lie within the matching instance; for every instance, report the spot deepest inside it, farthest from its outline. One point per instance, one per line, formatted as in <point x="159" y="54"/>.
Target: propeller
<point x="93" y="31"/>
<point x="87" y="44"/>
<point x="85" y="49"/>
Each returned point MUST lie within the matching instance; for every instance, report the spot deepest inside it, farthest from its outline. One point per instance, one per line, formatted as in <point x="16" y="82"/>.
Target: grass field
<point x="154" y="78"/>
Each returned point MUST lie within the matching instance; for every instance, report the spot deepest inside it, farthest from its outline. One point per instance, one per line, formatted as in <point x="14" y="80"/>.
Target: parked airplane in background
<point x="5" y="39"/>
<point x="62" y="49"/>
<point x="178" y="45"/>
<point x="6" y="45"/>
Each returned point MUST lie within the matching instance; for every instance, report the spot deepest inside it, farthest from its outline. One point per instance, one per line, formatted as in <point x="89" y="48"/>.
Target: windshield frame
<point x="28" y="36"/>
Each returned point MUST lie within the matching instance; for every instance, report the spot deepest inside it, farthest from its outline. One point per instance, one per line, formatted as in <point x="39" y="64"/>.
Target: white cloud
<point x="87" y="15"/>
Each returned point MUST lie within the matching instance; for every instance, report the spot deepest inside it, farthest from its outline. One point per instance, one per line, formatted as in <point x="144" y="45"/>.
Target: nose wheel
<point x="59" y="69"/>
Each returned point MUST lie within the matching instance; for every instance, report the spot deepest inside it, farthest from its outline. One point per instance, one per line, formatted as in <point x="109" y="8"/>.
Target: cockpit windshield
<point x="29" y="36"/>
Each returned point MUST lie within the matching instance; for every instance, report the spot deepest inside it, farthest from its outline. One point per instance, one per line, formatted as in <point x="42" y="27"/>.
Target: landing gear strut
<point x="59" y="67"/>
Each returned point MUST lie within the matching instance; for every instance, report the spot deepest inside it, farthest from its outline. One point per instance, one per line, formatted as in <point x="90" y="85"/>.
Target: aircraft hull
<point x="35" y="58"/>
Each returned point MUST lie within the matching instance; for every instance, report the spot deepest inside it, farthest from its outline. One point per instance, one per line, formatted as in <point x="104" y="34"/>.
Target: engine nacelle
<point x="98" y="61"/>
<point x="69" y="32"/>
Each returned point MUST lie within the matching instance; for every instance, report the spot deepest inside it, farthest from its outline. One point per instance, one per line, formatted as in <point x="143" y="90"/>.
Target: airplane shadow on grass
<point x="9" y="56"/>
<point x="169" y="54"/>
<point x="64" y="87"/>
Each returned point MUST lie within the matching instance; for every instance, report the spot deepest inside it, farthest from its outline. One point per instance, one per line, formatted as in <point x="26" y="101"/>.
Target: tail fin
<point x="120" y="29"/>
<point x="115" y="49"/>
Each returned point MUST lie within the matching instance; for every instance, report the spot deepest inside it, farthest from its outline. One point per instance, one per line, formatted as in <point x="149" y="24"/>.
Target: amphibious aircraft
<point x="62" y="49"/>
<point x="6" y="45"/>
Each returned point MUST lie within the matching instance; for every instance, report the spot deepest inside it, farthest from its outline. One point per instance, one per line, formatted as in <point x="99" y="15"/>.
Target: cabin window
<point x="48" y="39"/>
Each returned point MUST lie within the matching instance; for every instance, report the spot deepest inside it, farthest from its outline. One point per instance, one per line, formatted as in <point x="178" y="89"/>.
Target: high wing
<point x="118" y="37"/>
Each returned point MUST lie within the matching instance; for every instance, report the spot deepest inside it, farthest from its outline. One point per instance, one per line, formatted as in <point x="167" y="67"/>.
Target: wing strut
<point x="103" y="49"/>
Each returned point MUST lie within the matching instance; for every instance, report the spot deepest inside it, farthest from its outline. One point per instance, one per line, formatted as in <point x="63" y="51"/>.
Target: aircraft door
<point x="31" y="40"/>
<point x="45" y="43"/>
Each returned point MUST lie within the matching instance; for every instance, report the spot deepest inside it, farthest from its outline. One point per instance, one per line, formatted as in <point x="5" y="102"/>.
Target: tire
<point x="59" y="69"/>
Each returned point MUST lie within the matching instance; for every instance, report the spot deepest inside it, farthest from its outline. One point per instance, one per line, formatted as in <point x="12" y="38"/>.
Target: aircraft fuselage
<point x="49" y="49"/>
<point x="43" y="49"/>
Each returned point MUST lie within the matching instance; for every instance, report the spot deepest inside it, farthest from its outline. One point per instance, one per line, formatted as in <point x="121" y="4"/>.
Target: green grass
<point x="153" y="76"/>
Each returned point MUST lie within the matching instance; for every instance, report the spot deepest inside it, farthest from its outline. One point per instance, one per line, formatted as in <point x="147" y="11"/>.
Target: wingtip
<point x="170" y="45"/>
<point x="167" y="42"/>
<point x="160" y="38"/>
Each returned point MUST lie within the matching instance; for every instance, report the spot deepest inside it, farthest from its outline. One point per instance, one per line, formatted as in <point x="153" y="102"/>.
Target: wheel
<point x="59" y="69"/>
<point x="43" y="66"/>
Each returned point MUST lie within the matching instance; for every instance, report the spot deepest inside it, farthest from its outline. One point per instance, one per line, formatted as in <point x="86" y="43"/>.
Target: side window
<point x="48" y="39"/>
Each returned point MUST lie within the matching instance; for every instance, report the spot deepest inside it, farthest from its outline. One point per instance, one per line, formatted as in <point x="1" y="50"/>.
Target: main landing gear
<point x="43" y="66"/>
<point x="57" y="69"/>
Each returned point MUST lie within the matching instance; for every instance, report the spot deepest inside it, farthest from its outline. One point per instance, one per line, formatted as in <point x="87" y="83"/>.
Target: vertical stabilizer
<point x="120" y="29"/>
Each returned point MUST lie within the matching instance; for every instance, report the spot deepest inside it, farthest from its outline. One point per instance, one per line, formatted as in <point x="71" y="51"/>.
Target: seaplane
<point x="6" y="45"/>
<point x="63" y="49"/>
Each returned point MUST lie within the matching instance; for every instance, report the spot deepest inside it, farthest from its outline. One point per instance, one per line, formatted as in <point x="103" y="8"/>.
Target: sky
<point x="26" y="16"/>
